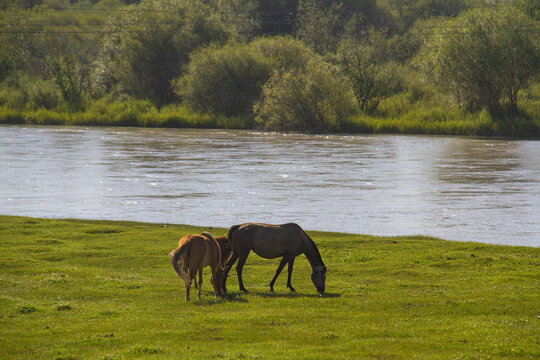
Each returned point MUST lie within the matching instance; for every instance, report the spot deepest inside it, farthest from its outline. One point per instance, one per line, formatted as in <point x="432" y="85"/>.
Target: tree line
<point x="285" y="65"/>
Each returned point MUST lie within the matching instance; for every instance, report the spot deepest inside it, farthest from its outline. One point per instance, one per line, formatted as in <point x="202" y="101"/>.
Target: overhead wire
<point x="66" y="28"/>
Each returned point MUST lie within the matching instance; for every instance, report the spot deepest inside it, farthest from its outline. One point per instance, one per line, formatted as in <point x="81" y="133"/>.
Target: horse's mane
<point x="317" y="253"/>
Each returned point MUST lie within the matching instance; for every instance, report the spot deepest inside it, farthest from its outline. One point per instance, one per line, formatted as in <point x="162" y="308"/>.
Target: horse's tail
<point x="176" y="254"/>
<point x="232" y="230"/>
<point x="208" y="235"/>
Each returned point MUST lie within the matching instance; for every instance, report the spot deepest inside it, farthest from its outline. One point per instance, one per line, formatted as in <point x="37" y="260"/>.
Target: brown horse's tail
<point x="176" y="254"/>
<point x="232" y="230"/>
<point x="208" y="235"/>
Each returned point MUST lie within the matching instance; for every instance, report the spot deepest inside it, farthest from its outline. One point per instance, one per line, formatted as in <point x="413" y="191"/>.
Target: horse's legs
<point x="214" y="280"/>
<point x="278" y="271"/>
<point x="188" y="286"/>
<point x="200" y="284"/>
<point x="290" y="269"/>
<point x="241" y="262"/>
<point x="195" y="282"/>
<point x="228" y="267"/>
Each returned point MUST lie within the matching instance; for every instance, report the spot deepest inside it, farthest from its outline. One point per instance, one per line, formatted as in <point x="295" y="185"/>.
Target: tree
<point x="225" y="80"/>
<point x="319" y="28"/>
<point x="371" y="78"/>
<point x="240" y="16"/>
<point x="153" y="53"/>
<point x="312" y="99"/>
<point x="37" y="47"/>
<point x="229" y="79"/>
<point x="484" y="57"/>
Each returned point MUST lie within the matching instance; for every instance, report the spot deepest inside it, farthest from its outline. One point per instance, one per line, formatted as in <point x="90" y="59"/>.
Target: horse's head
<point x="319" y="278"/>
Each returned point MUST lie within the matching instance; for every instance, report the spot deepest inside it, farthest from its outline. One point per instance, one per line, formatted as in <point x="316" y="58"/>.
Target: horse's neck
<point x="312" y="254"/>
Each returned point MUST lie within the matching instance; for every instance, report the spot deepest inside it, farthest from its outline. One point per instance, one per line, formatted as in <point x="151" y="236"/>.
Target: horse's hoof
<point x="244" y="290"/>
<point x="292" y="289"/>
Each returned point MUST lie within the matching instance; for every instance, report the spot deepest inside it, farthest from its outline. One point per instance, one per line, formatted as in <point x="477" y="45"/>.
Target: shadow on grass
<point x="292" y="295"/>
<point x="223" y="298"/>
<point x="240" y="297"/>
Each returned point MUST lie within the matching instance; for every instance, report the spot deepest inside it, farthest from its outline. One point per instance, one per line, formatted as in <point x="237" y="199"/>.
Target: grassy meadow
<point x="77" y="289"/>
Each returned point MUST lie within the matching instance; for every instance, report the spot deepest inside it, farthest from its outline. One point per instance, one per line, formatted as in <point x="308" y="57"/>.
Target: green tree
<point x="224" y="80"/>
<point x="412" y="10"/>
<point x="310" y="99"/>
<point x="318" y="27"/>
<point x="241" y="17"/>
<point x="484" y="57"/>
<point x="156" y="42"/>
<point x="229" y="79"/>
<point x="370" y="78"/>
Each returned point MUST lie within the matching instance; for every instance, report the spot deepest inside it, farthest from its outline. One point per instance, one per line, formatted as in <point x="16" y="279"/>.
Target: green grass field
<point x="75" y="289"/>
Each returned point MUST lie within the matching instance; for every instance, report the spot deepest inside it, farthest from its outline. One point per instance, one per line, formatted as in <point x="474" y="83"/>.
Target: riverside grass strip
<point x="77" y="289"/>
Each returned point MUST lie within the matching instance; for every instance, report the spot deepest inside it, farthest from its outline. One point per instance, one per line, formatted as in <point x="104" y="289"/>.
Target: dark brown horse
<point x="225" y="247"/>
<point x="272" y="241"/>
<point x="192" y="254"/>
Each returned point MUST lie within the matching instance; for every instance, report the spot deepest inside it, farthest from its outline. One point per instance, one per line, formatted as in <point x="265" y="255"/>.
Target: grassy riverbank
<point x="417" y="119"/>
<point x="75" y="289"/>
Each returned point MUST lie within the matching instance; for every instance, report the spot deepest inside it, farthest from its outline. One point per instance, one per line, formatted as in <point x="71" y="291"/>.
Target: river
<point x="456" y="188"/>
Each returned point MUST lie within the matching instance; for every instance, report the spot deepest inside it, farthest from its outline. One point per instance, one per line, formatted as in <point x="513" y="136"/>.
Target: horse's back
<point x="269" y="241"/>
<point x="204" y="250"/>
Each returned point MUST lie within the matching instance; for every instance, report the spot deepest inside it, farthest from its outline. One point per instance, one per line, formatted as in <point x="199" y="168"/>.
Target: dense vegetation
<point x="74" y="289"/>
<point x="415" y="66"/>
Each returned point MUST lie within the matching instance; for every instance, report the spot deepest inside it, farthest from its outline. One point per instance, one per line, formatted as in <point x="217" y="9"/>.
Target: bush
<point x="370" y="77"/>
<point x="44" y="94"/>
<point x="306" y="100"/>
<point x="228" y="80"/>
<point x="488" y="61"/>
<point x="225" y="80"/>
<point x="145" y="63"/>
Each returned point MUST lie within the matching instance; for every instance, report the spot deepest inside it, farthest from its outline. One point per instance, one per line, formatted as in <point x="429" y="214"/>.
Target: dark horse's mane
<point x="231" y="231"/>
<point x="315" y="247"/>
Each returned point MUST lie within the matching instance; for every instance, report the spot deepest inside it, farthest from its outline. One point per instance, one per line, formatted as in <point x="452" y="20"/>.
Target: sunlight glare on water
<point x="455" y="188"/>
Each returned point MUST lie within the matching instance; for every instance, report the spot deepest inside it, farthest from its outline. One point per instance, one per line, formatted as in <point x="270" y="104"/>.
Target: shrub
<point x="488" y="61"/>
<point x="145" y="63"/>
<point x="370" y="77"/>
<point x="307" y="100"/>
<point x="228" y="80"/>
<point x="44" y="94"/>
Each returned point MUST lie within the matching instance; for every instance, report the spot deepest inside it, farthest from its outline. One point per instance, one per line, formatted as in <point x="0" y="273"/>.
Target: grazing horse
<point x="192" y="254"/>
<point x="272" y="241"/>
<point x="225" y="247"/>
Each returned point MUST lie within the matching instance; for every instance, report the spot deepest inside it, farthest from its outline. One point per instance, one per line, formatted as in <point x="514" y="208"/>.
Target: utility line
<point x="104" y="31"/>
<point x="135" y="9"/>
<point x="240" y="21"/>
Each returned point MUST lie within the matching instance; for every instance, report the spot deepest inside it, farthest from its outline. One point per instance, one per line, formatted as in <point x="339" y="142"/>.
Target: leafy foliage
<point x="59" y="58"/>
<point x="488" y="61"/>
<point x="147" y="61"/>
<point x="370" y="77"/>
<point x="312" y="99"/>
<point x="229" y="79"/>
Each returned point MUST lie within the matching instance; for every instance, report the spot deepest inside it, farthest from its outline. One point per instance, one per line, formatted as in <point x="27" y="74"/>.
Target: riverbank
<point x="77" y="289"/>
<point x="417" y="120"/>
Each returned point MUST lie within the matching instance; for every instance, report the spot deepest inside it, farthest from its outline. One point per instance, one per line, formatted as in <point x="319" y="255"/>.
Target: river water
<point x="456" y="188"/>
